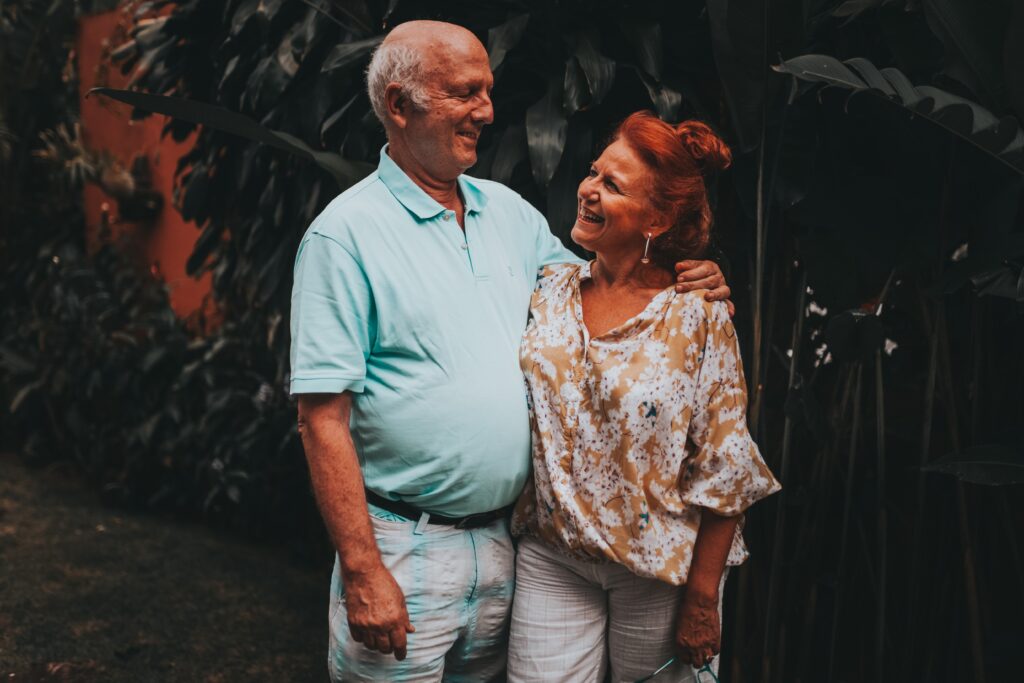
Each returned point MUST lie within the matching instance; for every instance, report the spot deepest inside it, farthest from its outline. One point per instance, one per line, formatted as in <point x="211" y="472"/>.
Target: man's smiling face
<point x="443" y="136"/>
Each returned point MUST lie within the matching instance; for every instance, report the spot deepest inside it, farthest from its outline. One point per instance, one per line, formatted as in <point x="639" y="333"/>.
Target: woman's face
<point x="615" y="212"/>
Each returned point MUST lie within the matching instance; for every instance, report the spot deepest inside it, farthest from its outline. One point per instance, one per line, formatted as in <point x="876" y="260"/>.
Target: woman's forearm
<point x="710" y="552"/>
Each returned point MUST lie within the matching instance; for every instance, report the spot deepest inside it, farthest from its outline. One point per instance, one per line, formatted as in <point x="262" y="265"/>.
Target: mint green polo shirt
<point x="421" y="322"/>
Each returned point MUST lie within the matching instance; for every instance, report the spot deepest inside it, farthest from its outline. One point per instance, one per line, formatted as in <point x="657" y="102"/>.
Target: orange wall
<point x="165" y="245"/>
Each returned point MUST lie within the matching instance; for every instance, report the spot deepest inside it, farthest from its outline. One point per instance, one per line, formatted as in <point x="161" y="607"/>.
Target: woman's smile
<point x="587" y="216"/>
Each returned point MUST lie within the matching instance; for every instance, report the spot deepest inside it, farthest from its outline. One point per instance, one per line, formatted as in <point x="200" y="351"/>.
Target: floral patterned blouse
<point x="636" y="430"/>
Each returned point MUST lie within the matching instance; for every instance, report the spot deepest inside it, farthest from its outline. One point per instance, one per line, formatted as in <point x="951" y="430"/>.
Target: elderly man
<point x="411" y="293"/>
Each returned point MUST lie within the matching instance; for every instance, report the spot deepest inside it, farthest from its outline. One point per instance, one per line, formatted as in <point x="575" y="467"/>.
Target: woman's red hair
<point x="678" y="157"/>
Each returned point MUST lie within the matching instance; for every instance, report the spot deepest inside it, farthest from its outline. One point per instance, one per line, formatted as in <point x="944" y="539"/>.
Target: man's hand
<point x="698" y="629"/>
<point x="691" y="275"/>
<point x="377" y="616"/>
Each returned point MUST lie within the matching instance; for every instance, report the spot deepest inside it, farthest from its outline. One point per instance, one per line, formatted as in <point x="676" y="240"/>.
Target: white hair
<point x="400" y="64"/>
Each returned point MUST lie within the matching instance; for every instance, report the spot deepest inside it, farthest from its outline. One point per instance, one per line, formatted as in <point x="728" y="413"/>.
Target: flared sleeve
<point x="725" y="472"/>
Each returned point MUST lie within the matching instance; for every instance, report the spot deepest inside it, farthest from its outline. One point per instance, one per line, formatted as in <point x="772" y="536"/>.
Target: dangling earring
<point x="647" y="246"/>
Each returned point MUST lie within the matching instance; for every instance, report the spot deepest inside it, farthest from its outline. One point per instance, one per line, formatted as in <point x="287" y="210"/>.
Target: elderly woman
<point x="643" y="465"/>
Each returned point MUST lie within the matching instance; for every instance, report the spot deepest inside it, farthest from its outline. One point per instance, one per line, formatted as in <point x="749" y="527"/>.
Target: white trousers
<point x="458" y="590"/>
<point x="576" y="622"/>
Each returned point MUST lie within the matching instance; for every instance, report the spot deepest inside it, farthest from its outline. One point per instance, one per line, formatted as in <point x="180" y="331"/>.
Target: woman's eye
<point x="592" y="173"/>
<point x="612" y="186"/>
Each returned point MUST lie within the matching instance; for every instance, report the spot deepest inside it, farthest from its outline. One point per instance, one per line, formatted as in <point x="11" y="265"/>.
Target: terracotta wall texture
<point x="164" y="245"/>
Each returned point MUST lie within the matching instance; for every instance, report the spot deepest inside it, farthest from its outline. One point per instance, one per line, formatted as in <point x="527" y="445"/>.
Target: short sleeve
<point x="549" y="249"/>
<point x="725" y="473"/>
<point x="333" y="320"/>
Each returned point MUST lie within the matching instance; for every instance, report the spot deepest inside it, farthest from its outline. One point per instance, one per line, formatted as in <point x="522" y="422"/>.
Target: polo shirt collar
<point x="412" y="196"/>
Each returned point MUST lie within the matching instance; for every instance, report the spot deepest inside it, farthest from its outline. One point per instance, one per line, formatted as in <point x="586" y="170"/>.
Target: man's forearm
<point x="338" y="482"/>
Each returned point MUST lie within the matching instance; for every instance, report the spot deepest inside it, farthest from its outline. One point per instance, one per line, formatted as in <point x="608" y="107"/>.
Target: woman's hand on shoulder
<point x="698" y="628"/>
<point x="692" y="275"/>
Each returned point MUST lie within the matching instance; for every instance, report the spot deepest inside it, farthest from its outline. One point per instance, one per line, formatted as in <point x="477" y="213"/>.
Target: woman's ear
<point x="658" y="225"/>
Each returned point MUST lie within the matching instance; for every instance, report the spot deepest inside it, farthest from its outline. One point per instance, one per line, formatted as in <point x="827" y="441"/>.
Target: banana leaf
<point x="347" y="54"/>
<point x="345" y="171"/>
<point x="1001" y="139"/>
<point x="598" y="69"/>
<point x="973" y="35"/>
<point x="546" y="128"/>
<point x="646" y="41"/>
<point x="503" y="38"/>
<point x="989" y="464"/>
<point x="738" y="35"/>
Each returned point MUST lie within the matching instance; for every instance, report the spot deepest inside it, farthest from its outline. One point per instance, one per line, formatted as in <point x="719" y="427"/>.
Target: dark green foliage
<point x="94" y="364"/>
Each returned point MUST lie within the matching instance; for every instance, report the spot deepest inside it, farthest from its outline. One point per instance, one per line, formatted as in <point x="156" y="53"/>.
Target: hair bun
<point x="709" y="151"/>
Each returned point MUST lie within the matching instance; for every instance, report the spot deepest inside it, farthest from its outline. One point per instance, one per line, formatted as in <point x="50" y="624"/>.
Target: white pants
<point x="573" y="620"/>
<point x="458" y="590"/>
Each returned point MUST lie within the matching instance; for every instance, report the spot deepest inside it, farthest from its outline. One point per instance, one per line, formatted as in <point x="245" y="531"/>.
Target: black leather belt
<point x="412" y="513"/>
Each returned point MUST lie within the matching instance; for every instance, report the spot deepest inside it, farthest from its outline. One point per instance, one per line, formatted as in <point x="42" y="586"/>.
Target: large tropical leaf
<point x="511" y="151"/>
<point x="646" y="41"/>
<point x="598" y="69"/>
<point x="972" y="34"/>
<point x="993" y="465"/>
<point x="546" y="128"/>
<point x="347" y="54"/>
<point x="850" y="9"/>
<point x="1013" y="57"/>
<point x="502" y="38"/>
<point x="345" y="171"/>
<point x="738" y="33"/>
<point x="562" y="204"/>
<point x="1000" y="138"/>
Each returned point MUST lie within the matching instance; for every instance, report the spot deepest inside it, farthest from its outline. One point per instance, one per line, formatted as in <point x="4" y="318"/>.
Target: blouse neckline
<point x="638" y="322"/>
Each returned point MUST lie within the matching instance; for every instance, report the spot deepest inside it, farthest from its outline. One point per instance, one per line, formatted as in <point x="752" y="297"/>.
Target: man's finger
<point x="709" y="283"/>
<point x="718" y="293"/>
<point x="688" y="264"/>
<point x="398" y="643"/>
<point x="382" y="643"/>
<point x="698" y="273"/>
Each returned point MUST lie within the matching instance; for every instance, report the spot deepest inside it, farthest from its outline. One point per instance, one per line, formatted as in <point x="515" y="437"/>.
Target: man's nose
<point x="484" y="112"/>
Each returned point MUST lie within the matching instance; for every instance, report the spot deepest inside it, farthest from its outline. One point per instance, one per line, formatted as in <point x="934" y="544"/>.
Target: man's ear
<point x="397" y="104"/>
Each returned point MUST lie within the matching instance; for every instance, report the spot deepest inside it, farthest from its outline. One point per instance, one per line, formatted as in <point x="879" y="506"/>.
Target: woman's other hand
<point x="691" y="275"/>
<point x="698" y="628"/>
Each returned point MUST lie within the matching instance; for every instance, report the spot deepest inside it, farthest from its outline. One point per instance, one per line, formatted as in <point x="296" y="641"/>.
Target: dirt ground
<point x="88" y="593"/>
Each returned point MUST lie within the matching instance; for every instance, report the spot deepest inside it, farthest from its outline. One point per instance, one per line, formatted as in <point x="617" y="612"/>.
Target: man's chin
<point x="467" y="161"/>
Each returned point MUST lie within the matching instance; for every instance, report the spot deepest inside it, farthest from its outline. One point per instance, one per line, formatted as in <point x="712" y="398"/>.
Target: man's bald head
<point x="411" y="54"/>
<point x="433" y="35"/>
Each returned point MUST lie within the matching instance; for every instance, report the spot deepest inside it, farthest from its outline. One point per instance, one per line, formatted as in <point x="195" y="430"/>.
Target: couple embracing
<point x="422" y="299"/>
